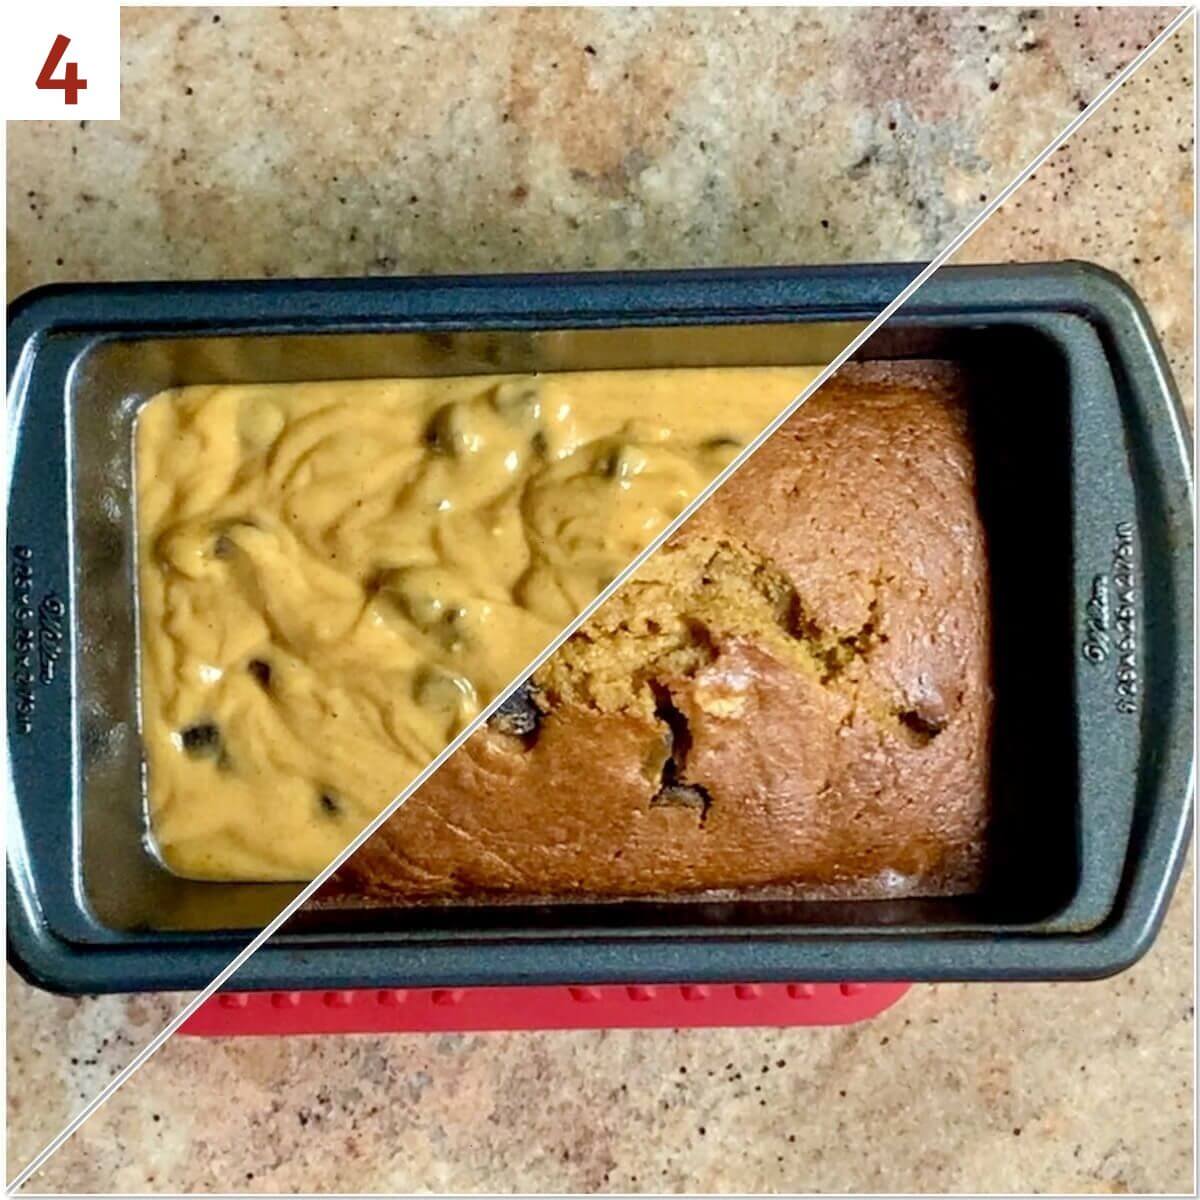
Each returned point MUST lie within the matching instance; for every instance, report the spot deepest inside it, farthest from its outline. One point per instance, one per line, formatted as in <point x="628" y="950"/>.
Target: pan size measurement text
<point x="1110" y="620"/>
<point x="37" y="636"/>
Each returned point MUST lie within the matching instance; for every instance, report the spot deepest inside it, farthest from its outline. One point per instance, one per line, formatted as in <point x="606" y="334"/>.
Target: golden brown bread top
<point x="794" y="692"/>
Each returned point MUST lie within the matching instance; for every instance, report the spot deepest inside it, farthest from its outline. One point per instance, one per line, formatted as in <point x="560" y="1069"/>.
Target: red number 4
<point x="70" y="84"/>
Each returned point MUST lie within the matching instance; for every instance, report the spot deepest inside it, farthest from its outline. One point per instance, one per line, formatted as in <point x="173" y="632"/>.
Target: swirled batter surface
<point x="335" y="577"/>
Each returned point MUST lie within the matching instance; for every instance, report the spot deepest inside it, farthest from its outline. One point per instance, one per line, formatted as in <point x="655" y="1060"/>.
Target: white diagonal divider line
<point x="906" y="293"/>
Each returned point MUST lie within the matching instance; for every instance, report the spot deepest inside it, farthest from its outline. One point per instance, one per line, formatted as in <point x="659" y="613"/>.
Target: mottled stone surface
<point x="351" y="141"/>
<point x="959" y="1088"/>
<point x="1120" y="193"/>
<point x="348" y="142"/>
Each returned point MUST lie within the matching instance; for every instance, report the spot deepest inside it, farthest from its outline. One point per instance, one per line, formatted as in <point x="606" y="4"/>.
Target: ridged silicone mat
<point x="459" y="1010"/>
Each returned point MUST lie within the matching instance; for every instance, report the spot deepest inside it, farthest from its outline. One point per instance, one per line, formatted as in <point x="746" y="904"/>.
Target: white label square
<point x="62" y="61"/>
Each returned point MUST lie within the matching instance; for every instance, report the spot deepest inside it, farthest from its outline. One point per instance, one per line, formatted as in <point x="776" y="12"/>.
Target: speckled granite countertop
<point x="259" y="142"/>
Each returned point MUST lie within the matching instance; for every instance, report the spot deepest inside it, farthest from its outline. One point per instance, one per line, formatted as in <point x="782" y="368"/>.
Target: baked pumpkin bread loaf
<point x="792" y="697"/>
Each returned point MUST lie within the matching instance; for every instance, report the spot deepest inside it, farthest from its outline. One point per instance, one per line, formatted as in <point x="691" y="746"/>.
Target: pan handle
<point x="40" y="721"/>
<point x="1151" y="669"/>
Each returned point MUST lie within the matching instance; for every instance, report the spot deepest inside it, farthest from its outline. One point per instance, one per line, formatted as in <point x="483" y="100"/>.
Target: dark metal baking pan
<point x="1086" y="498"/>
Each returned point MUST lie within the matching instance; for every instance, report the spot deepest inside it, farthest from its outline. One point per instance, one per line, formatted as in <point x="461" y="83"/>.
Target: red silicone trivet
<point x="456" y="1010"/>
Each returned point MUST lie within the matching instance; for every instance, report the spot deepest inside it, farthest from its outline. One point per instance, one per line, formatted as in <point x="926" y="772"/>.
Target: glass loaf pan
<point x="1083" y="460"/>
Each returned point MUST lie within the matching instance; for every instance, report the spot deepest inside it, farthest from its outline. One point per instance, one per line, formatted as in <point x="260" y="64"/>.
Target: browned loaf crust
<point x="794" y="693"/>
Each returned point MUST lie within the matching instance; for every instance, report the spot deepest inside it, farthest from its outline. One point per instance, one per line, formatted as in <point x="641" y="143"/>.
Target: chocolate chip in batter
<point x="330" y="805"/>
<point x="223" y="544"/>
<point x="621" y="462"/>
<point x="447" y="431"/>
<point x="721" y="450"/>
<point x="261" y="672"/>
<point x="518" y="402"/>
<point x="431" y="600"/>
<point x="202" y="740"/>
<point x="447" y="693"/>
